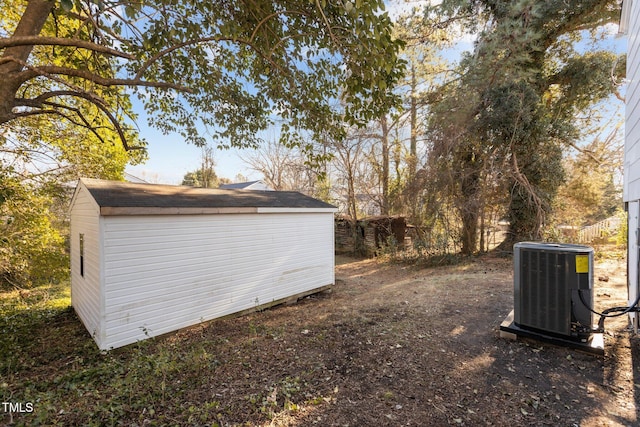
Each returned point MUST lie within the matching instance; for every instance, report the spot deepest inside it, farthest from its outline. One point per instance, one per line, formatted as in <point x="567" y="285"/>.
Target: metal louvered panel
<point x="544" y="301"/>
<point x="547" y="279"/>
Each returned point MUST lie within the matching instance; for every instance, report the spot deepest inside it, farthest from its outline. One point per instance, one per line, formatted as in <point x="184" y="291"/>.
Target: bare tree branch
<point x="51" y="71"/>
<point x="85" y="123"/>
<point x="326" y="21"/>
<point x="38" y="102"/>
<point x="60" y="41"/>
<point x="48" y="70"/>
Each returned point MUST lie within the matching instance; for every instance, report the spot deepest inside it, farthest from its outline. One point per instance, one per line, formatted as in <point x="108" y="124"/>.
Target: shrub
<point x="32" y="250"/>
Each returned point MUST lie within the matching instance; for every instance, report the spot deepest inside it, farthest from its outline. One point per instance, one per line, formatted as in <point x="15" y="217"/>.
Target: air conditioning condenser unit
<point x="553" y="286"/>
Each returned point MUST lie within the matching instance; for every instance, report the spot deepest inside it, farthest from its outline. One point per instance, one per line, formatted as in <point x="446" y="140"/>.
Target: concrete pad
<point x="509" y="330"/>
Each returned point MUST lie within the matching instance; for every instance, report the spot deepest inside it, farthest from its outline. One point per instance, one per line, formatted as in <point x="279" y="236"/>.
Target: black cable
<point x="620" y="311"/>
<point x="606" y="312"/>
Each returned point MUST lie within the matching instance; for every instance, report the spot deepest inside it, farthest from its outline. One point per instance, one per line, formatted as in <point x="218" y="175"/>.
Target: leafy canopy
<point x="42" y="154"/>
<point x="227" y="69"/>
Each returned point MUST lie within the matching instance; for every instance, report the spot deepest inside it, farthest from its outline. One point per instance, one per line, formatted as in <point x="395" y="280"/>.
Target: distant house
<point x="251" y="185"/>
<point x="148" y="259"/>
<point x="131" y="178"/>
<point x="367" y="204"/>
<point x="630" y="24"/>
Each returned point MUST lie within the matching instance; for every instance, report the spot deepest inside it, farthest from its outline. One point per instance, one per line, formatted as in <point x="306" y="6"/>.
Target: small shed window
<point x="82" y="254"/>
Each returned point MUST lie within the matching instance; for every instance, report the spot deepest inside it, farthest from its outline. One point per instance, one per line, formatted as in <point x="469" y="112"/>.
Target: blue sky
<point x="170" y="158"/>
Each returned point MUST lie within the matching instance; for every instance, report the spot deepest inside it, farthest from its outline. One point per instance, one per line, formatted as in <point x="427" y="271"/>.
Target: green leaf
<point x="348" y="6"/>
<point x="130" y="11"/>
<point x="66" y="5"/>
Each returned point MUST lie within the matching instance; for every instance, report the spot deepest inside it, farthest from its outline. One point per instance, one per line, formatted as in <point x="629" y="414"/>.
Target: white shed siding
<point x="85" y="289"/>
<point x="632" y="113"/>
<point x="199" y="267"/>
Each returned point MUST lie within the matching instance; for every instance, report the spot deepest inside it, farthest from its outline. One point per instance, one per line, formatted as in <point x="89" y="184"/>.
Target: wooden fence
<point x="600" y="230"/>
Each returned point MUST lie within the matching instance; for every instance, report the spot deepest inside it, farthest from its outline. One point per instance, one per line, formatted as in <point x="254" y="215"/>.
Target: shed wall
<point x="163" y="273"/>
<point x="86" y="296"/>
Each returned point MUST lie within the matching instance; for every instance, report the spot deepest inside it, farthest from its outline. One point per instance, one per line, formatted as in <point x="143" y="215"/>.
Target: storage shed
<point x="149" y="259"/>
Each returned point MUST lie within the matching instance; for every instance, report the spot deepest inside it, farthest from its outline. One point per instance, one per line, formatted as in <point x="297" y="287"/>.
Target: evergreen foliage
<point x="522" y="88"/>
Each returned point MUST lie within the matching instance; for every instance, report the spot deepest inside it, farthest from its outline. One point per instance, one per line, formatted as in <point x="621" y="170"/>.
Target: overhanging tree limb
<point x="258" y="67"/>
<point x="31" y="23"/>
<point x="52" y="70"/>
<point x="55" y="110"/>
<point x="41" y="101"/>
<point x="61" y="41"/>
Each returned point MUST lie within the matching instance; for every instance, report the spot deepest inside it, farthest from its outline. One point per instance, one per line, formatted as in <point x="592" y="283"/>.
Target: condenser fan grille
<point x="547" y="279"/>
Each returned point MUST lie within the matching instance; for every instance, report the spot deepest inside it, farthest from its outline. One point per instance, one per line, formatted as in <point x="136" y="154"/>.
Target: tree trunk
<point x="14" y="57"/>
<point x="526" y="219"/>
<point x="469" y="205"/>
<point x="351" y="192"/>
<point x="385" y="166"/>
<point x="483" y="242"/>
<point x="470" y="214"/>
<point x="528" y="207"/>
<point x="412" y="180"/>
<point x="413" y="145"/>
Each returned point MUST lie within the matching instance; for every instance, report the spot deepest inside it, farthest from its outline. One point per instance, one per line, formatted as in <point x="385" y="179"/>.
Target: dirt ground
<point x="398" y="345"/>
<point x="388" y="345"/>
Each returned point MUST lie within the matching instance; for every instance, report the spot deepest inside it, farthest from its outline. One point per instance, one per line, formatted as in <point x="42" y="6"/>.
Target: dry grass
<point x="389" y="345"/>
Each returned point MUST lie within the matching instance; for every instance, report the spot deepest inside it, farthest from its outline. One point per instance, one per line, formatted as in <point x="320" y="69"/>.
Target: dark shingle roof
<point x="117" y="194"/>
